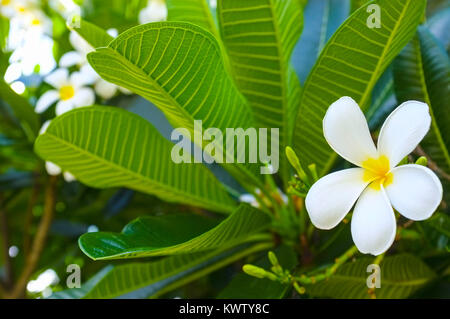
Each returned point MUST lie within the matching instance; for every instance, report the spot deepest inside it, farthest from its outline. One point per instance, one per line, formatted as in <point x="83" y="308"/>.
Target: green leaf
<point x="383" y="100"/>
<point x="259" y="36"/>
<point x="243" y="286"/>
<point x="95" y="36"/>
<point x="4" y="31"/>
<point x="152" y="279"/>
<point x="401" y="276"/>
<point x="350" y="65"/>
<point x="193" y="11"/>
<point x="78" y="293"/>
<point x="440" y="222"/>
<point x="118" y="14"/>
<point x="422" y="72"/>
<point x="22" y="110"/>
<point x="174" y="234"/>
<point x="110" y="147"/>
<point x="322" y="18"/>
<point x="178" y="67"/>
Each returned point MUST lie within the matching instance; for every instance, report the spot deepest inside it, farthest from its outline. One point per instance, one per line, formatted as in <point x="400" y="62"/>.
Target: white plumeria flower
<point x="51" y="168"/>
<point x="155" y="11"/>
<point x="14" y="8"/>
<point x="103" y="88"/>
<point x="54" y="170"/>
<point x="70" y="92"/>
<point x="67" y="8"/>
<point x="377" y="184"/>
<point x="249" y="199"/>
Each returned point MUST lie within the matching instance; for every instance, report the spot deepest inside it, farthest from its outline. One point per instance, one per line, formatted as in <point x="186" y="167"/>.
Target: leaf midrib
<point x="138" y="176"/>
<point x="147" y="251"/>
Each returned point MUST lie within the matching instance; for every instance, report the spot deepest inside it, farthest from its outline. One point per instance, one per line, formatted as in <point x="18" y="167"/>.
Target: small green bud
<point x="273" y="258"/>
<point x="422" y="161"/>
<point x="295" y="162"/>
<point x="254" y="271"/>
<point x="301" y="290"/>
<point x="313" y="169"/>
<point x="277" y="270"/>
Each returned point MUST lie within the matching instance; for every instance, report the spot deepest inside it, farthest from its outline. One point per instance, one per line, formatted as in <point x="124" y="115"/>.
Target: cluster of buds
<point x="300" y="184"/>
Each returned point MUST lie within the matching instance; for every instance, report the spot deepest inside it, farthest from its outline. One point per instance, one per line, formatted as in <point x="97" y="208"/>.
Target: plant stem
<point x="308" y="280"/>
<point x="432" y="165"/>
<point x="29" y="217"/>
<point x="39" y="239"/>
<point x="5" y="240"/>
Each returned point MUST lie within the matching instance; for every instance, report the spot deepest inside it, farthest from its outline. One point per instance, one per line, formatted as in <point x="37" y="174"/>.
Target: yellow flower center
<point x="66" y="92"/>
<point x="5" y="2"/>
<point x="35" y="21"/>
<point x="377" y="172"/>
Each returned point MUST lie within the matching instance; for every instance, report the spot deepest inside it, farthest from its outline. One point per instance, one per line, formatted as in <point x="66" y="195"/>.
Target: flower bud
<point x="293" y="159"/>
<point x="254" y="271"/>
<point x="422" y="161"/>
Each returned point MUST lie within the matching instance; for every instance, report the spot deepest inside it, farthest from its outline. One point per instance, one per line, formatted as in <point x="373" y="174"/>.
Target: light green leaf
<point x="178" y="67"/>
<point x="259" y="36"/>
<point x="194" y="11"/>
<point x="4" y="31"/>
<point x="95" y="36"/>
<point x="152" y="279"/>
<point x="350" y="65"/>
<point x="174" y="234"/>
<point x="401" y="276"/>
<point x="78" y="293"/>
<point x="110" y="147"/>
<point x="422" y="72"/>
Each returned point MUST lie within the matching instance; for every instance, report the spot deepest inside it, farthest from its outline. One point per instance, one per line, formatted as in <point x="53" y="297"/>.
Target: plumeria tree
<point x="94" y="204"/>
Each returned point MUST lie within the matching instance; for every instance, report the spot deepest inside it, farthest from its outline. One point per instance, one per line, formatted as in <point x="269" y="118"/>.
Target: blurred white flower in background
<point x="67" y="8"/>
<point x="103" y="88"/>
<point x="155" y="11"/>
<point x="29" y="36"/>
<point x="51" y="168"/>
<point x="44" y="280"/>
<point x="70" y="92"/>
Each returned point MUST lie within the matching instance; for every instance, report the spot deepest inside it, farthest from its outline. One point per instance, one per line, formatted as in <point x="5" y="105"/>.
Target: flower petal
<point x="52" y="169"/>
<point x="71" y="58"/>
<point x="89" y="72"/>
<point x="80" y="44"/>
<point x="63" y="107"/>
<point x="332" y="197"/>
<point x="346" y="130"/>
<point x="80" y="79"/>
<point x="373" y="222"/>
<point x="47" y="99"/>
<point x="415" y="191"/>
<point x="58" y="78"/>
<point x="68" y="177"/>
<point x="84" y="97"/>
<point x="403" y="130"/>
<point x="44" y="127"/>
<point x="105" y="89"/>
